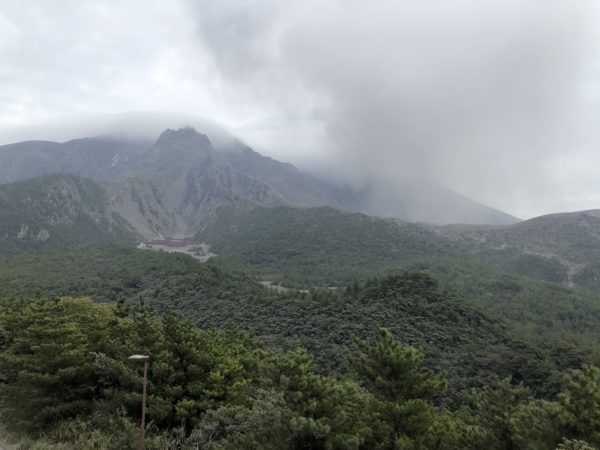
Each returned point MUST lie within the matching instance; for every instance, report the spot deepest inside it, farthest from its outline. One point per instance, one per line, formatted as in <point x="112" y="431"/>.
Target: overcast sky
<point x="499" y="100"/>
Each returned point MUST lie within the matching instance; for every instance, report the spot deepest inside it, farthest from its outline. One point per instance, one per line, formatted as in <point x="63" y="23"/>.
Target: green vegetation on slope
<point x="489" y="318"/>
<point x="316" y="246"/>
<point x="57" y="211"/>
<point x="570" y="240"/>
<point x="323" y="246"/>
<point x="107" y="273"/>
<point x="458" y="337"/>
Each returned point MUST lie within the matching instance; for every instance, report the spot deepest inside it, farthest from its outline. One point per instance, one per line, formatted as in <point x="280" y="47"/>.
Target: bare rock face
<point x="23" y="232"/>
<point x="177" y="187"/>
<point x="43" y="235"/>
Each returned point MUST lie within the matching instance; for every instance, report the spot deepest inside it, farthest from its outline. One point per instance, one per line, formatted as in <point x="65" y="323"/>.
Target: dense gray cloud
<point x="496" y="99"/>
<point x="486" y="97"/>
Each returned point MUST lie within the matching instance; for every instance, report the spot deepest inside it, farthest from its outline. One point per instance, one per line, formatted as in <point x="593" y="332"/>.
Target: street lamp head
<point x="138" y="358"/>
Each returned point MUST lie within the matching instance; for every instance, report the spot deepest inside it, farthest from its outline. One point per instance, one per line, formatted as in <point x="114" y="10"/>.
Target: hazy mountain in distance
<point x="96" y="158"/>
<point x="432" y="203"/>
<point x="101" y="158"/>
<point x="28" y="159"/>
<point x="174" y="186"/>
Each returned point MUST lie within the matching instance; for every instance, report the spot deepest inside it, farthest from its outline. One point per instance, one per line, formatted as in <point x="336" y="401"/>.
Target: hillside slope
<point x="301" y="248"/>
<point x="472" y="346"/>
<point x="418" y="201"/>
<point x="570" y="239"/>
<point x="175" y="188"/>
<point x="317" y="245"/>
<point x="329" y="247"/>
<point x="57" y="211"/>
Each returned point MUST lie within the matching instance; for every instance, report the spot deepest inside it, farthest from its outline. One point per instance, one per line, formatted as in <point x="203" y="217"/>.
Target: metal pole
<point x="144" y="406"/>
<point x="144" y="358"/>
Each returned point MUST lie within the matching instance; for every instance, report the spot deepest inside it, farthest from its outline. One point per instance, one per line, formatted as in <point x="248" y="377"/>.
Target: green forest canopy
<point x="65" y="377"/>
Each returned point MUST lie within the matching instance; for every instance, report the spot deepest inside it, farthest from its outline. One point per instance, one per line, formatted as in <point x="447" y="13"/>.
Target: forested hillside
<point x="58" y="211"/>
<point x="66" y="382"/>
<point x="322" y="246"/>
<point x="474" y="326"/>
<point x="520" y="328"/>
<point x="327" y="247"/>
<point x="107" y="273"/>
<point x="571" y="240"/>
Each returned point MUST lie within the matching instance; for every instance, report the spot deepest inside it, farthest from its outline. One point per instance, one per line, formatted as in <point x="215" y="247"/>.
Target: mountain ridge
<point x="180" y="185"/>
<point x="232" y="173"/>
<point x="572" y="238"/>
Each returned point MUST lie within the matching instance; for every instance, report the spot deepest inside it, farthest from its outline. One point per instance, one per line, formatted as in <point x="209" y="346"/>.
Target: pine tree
<point x="401" y="413"/>
<point x="580" y="398"/>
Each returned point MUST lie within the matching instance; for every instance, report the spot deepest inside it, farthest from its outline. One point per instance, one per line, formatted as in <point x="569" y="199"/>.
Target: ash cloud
<point x="498" y="100"/>
<point x="484" y="97"/>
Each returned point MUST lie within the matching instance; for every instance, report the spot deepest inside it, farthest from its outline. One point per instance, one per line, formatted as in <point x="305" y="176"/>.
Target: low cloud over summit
<point x="483" y="96"/>
<point x="497" y="100"/>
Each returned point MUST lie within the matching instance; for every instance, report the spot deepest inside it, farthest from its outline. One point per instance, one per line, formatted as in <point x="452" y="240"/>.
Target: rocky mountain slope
<point x="176" y="187"/>
<point x="173" y="187"/>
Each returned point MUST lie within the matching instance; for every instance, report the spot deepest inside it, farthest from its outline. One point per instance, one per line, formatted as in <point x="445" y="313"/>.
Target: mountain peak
<point x="184" y="142"/>
<point x="187" y="134"/>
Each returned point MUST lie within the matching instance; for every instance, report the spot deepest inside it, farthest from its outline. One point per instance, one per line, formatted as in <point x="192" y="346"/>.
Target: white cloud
<point x="491" y="98"/>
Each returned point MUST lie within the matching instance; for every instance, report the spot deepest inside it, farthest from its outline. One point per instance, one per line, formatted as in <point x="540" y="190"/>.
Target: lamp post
<point x="144" y="359"/>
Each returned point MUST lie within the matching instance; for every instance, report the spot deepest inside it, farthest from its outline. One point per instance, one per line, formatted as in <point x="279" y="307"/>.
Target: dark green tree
<point x="580" y="398"/>
<point x="401" y="413"/>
